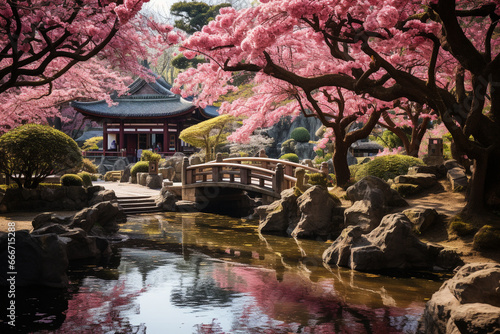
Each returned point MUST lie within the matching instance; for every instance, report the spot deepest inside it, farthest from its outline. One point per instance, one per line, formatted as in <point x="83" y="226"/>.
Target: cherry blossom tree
<point x="442" y="54"/>
<point x="58" y="50"/>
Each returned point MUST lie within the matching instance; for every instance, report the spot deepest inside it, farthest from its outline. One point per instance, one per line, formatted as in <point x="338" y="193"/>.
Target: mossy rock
<point x="406" y="189"/>
<point x="487" y="238"/>
<point x="461" y="228"/>
<point x="86" y="178"/>
<point x="386" y="167"/>
<point x="318" y="179"/>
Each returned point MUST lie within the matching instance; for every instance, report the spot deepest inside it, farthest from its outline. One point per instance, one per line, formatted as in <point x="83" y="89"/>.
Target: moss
<point x="301" y="135"/>
<point x="290" y="157"/>
<point x="71" y="180"/>
<point x="335" y="198"/>
<point x="487" y="238"/>
<point x="460" y="227"/>
<point x="406" y="189"/>
<point x="297" y="192"/>
<point x="318" y="179"/>
<point x="386" y="167"/>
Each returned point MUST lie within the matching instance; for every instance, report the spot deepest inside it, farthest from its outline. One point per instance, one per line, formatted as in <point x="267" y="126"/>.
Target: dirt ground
<point x="446" y="203"/>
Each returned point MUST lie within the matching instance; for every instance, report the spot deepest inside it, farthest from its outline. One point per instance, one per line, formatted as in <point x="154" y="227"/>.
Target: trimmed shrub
<point x="290" y="157"/>
<point x="487" y="237"/>
<point x="30" y="152"/>
<point x="71" y="180"/>
<point x="386" y="167"/>
<point x="406" y="189"/>
<point x="86" y="178"/>
<point x="108" y="176"/>
<point x="300" y="135"/>
<point x="139" y="167"/>
<point x="88" y="166"/>
<point x="148" y="155"/>
<point x="319" y="152"/>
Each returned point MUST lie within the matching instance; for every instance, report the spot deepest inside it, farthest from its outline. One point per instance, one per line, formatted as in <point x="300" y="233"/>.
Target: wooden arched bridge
<point x="265" y="176"/>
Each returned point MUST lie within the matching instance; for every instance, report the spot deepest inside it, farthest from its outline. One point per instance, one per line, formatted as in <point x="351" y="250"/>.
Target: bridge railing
<point x="248" y="176"/>
<point x="267" y="163"/>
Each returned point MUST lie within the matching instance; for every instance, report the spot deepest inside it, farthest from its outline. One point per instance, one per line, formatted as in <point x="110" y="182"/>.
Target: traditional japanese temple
<point x="149" y="116"/>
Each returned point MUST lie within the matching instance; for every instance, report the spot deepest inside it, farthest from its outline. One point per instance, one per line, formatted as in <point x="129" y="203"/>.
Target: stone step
<point x="136" y="210"/>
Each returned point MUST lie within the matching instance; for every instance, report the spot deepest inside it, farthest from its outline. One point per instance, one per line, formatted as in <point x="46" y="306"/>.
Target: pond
<point x="204" y="273"/>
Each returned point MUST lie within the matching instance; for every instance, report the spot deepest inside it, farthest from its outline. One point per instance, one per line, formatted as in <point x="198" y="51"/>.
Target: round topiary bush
<point x="71" y="180"/>
<point x="140" y="167"/>
<point x="290" y="157"/>
<point x="386" y="167"/>
<point x="301" y="135"/>
<point x="86" y="178"/>
<point x="31" y="152"/>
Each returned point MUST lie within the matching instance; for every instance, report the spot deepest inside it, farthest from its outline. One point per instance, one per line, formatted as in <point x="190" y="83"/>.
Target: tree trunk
<point x="339" y="158"/>
<point x="475" y="193"/>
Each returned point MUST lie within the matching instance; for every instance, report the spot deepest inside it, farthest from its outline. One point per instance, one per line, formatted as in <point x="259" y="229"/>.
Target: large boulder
<point x="126" y="174"/>
<point x="154" y="181"/>
<point x="366" y="213"/>
<point x="361" y="190"/>
<point x="276" y="217"/>
<point x="320" y="216"/>
<point x="438" y="170"/>
<point x="421" y="219"/>
<point x="305" y="150"/>
<point x="167" y="173"/>
<point x="100" y="219"/>
<point x="104" y="195"/>
<point x="392" y="245"/>
<point x="467" y="303"/>
<point x="457" y="178"/>
<point x="166" y="200"/>
<point x="40" y="260"/>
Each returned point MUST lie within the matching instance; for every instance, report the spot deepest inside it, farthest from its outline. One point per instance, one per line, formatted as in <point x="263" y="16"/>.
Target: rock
<point x="101" y="169"/>
<point x="421" y="219"/>
<point x="276" y="217"/>
<point x="317" y="211"/>
<point x="438" y="170"/>
<point x="392" y="245"/>
<point x="195" y="160"/>
<point x="467" y="303"/>
<point x="166" y="200"/>
<point x="366" y="214"/>
<point x="361" y="189"/>
<point x="141" y="178"/>
<point x="308" y="163"/>
<point x="452" y="163"/>
<point x="167" y="173"/>
<point x="40" y="260"/>
<point x="421" y="179"/>
<point x="120" y="164"/>
<point x="126" y="174"/>
<point x="79" y="245"/>
<point x="105" y="195"/>
<point x="106" y="215"/>
<point x="457" y="178"/>
<point x="304" y="150"/>
<point x="154" y="181"/>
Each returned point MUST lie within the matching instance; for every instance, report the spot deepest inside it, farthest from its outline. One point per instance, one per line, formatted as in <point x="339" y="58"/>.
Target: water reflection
<point x="202" y="273"/>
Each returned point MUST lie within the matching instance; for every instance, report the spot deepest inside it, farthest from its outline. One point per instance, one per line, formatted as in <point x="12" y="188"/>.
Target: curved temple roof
<point x="155" y="101"/>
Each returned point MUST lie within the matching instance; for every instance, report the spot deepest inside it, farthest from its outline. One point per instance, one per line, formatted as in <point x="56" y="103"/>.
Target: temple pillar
<point x="165" y="136"/>
<point x="122" y="136"/>
<point x="104" y="136"/>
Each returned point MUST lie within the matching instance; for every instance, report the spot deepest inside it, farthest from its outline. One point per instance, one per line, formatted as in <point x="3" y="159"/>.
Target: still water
<point x="203" y="273"/>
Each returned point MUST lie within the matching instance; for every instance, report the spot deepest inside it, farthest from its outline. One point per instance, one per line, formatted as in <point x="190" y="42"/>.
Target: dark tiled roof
<point x="211" y="111"/>
<point x="89" y="134"/>
<point x="136" y="106"/>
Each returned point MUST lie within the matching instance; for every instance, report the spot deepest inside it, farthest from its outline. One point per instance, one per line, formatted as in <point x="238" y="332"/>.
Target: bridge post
<point x="218" y="157"/>
<point x="279" y="179"/>
<point x="184" y="176"/>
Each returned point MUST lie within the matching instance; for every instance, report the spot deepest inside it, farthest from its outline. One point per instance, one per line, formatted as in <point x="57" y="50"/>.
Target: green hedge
<point x="385" y="167"/>
<point x="71" y="180"/>
<point x="290" y="157"/>
<point x="301" y="135"/>
<point x="140" y="167"/>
